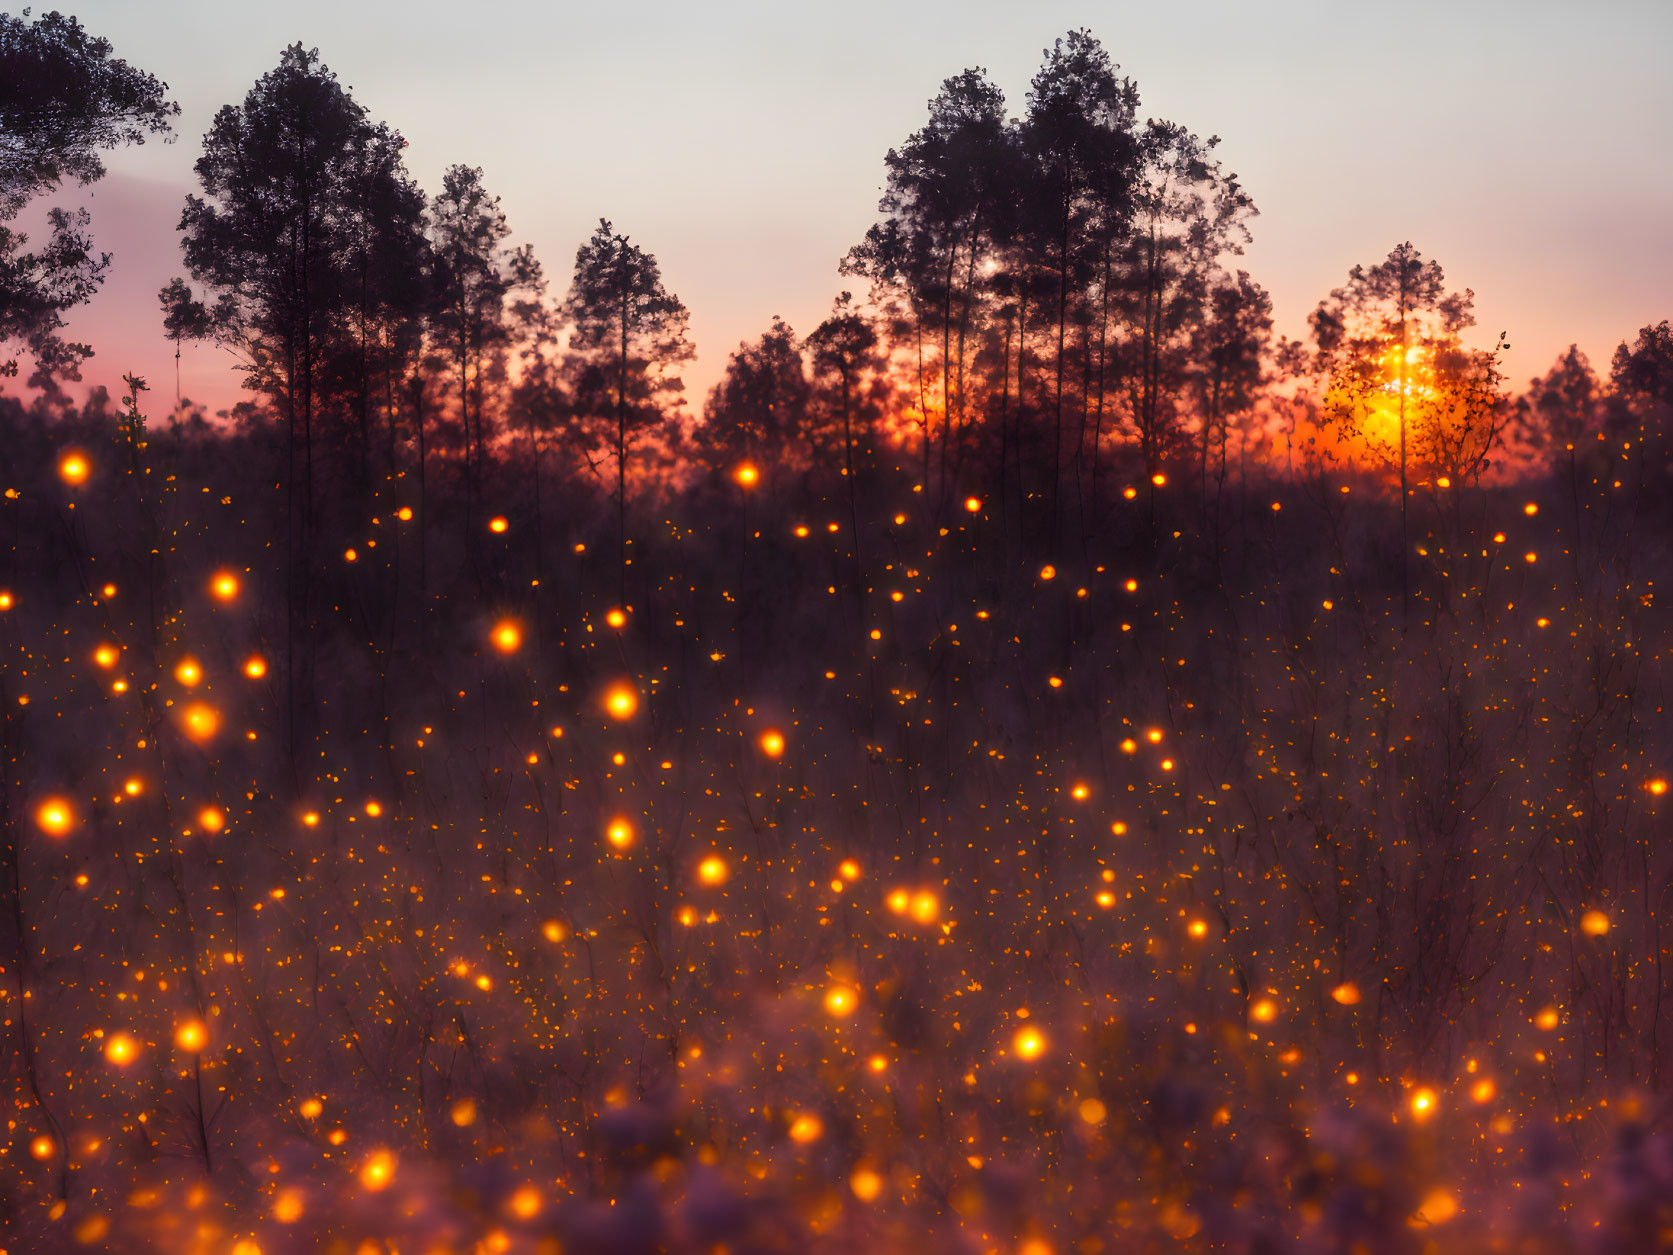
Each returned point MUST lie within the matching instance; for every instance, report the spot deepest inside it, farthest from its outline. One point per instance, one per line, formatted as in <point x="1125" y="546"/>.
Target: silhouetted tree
<point x="273" y="237"/>
<point x="1371" y="334"/>
<point x="845" y="358"/>
<point x="946" y="203"/>
<point x="184" y="318"/>
<point x="629" y="332"/>
<point x="472" y="280"/>
<point x="1083" y="160"/>
<point x="1230" y="348"/>
<point x="63" y="101"/>
<point x="759" y="407"/>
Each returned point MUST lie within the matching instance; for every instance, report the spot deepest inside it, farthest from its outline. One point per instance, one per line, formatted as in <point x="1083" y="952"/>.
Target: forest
<point x="1037" y="763"/>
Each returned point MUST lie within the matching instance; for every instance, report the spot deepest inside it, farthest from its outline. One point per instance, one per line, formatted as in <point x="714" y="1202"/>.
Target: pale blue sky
<point x="1526" y="146"/>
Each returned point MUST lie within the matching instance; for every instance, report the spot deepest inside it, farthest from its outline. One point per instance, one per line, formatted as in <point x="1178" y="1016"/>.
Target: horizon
<point x="766" y="237"/>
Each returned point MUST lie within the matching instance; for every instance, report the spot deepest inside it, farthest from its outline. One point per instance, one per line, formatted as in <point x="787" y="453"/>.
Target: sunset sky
<point x="1528" y="148"/>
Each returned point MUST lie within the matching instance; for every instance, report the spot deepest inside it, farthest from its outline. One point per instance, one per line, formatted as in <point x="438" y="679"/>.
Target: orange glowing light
<point x="1048" y="572"/>
<point x="973" y="504"/>
<point x="747" y="475"/>
<point x="497" y="524"/>
<point x="188" y="671"/>
<point x="1531" y="509"/>
<point x="526" y="1202"/>
<point x="1128" y="745"/>
<point x="404" y="514"/>
<point x="378" y="1170"/>
<point x="554" y="931"/>
<point x="223" y="586"/>
<point x="1263" y="1011"/>
<point x="1129" y="493"/>
<point x="211" y="819"/>
<point x="866" y="1184"/>
<point x="1438" y="1207"/>
<point x="311" y="819"/>
<point x="840" y="1001"/>
<point x="616" y="619"/>
<point x="1159" y="479"/>
<point x="311" y="1108"/>
<point x="622" y="701"/>
<point x="1424" y="1102"/>
<point x="507" y="637"/>
<point x="806" y="1127"/>
<point x="121" y="1049"/>
<point x="55" y="816"/>
<point x="43" y="1147"/>
<point x="772" y="743"/>
<point x="105" y="656"/>
<point x="1594" y="923"/>
<point x="713" y="871"/>
<point x="1080" y="792"/>
<point x="288" y="1206"/>
<point x="1198" y="929"/>
<point x="619" y="833"/>
<point x="925" y="907"/>
<point x="191" y="1036"/>
<point x="848" y="869"/>
<point x="6" y="602"/>
<point x="1028" y="1043"/>
<point x="1092" y="1111"/>
<point x="73" y="468"/>
<point x="1657" y="787"/>
<point x="1483" y="1091"/>
<point x="202" y="722"/>
<point x="255" y="666"/>
<point x="1347" y="993"/>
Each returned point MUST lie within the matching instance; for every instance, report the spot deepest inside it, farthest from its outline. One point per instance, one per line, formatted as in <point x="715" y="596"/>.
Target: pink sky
<point x="743" y="143"/>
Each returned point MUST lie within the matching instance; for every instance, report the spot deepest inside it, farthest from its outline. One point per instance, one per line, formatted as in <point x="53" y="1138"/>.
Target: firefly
<point x="55" y="816"/>
<point x="772" y="743"/>
<point x="1028" y="1043"/>
<point x="619" y="833"/>
<point x="202" y="722"/>
<point x="621" y="701"/>
<point x="378" y="1170"/>
<point x="507" y="636"/>
<point x="713" y="871"/>
<point x="223" y="586"/>
<point x="73" y="468"/>
<point x="747" y="475"/>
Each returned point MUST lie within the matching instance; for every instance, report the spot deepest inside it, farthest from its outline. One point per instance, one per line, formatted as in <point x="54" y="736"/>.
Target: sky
<point x="1527" y="147"/>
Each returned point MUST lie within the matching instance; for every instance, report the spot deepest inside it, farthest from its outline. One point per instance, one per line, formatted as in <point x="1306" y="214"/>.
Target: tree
<point x="1188" y="214"/>
<point x="63" y="101"/>
<point x="1230" y="351"/>
<point x="472" y="279"/>
<point x="946" y="206"/>
<point x="844" y="354"/>
<point x="273" y="238"/>
<point x="1083" y="158"/>
<point x="629" y="331"/>
<point x="759" y="407"/>
<point x="184" y="318"/>
<point x="1643" y="371"/>
<point x="1372" y="334"/>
